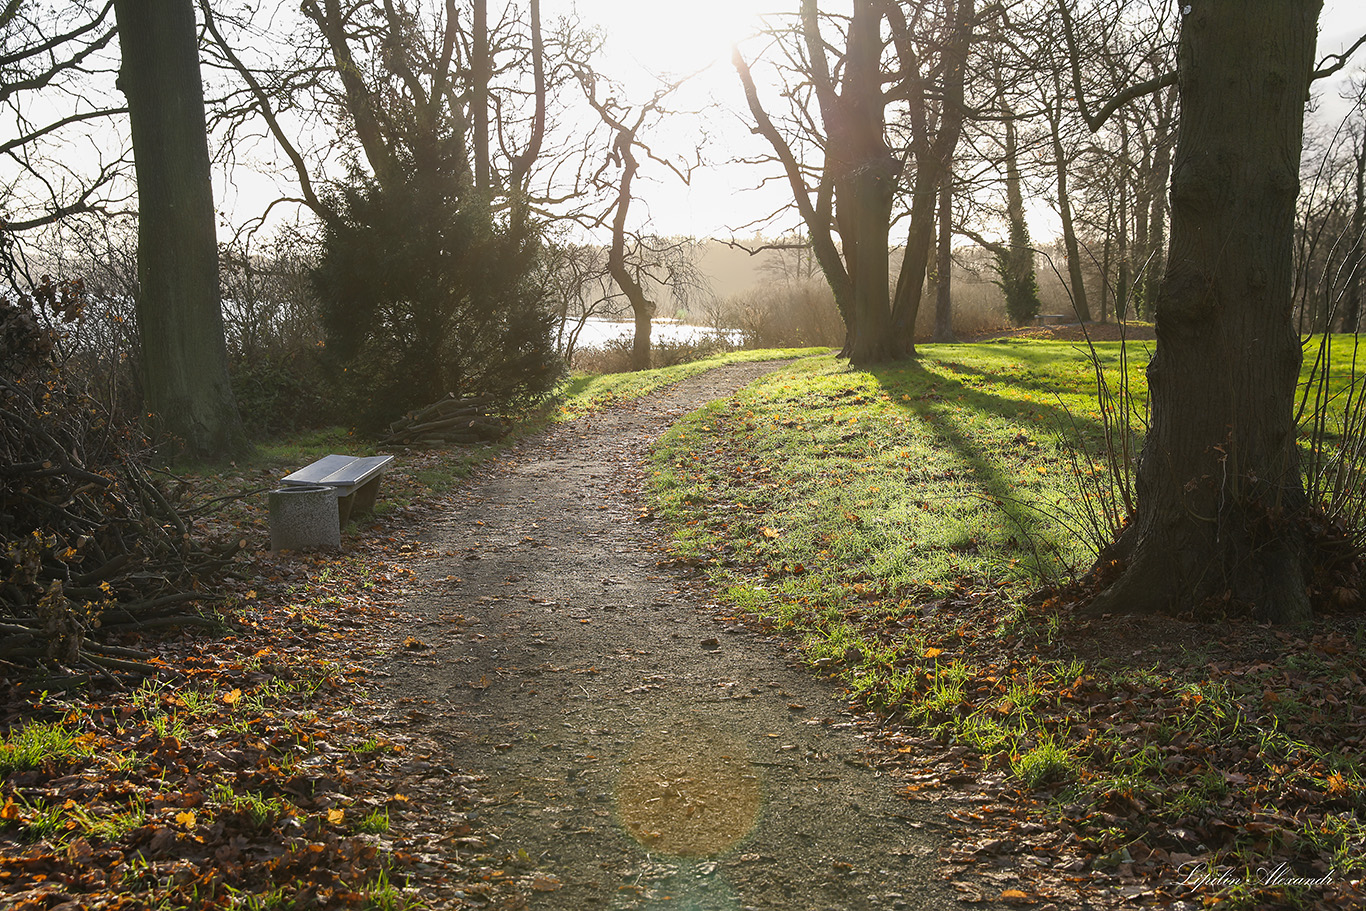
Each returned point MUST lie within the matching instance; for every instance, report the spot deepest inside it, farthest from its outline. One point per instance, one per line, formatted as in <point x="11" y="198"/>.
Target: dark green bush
<point x="281" y="392"/>
<point x="424" y="293"/>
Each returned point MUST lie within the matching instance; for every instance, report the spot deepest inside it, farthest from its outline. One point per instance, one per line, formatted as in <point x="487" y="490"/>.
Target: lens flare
<point x="689" y="791"/>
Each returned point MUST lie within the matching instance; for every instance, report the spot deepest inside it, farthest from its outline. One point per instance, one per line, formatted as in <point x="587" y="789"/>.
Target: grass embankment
<point x="245" y="772"/>
<point x="895" y="521"/>
<point x="587" y="393"/>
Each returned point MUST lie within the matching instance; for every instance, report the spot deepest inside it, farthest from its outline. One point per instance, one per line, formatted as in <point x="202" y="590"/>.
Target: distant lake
<point x="598" y="332"/>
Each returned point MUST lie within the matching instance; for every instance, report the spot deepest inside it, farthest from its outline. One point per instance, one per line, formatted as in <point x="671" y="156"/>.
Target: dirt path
<point x="641" y="752"/>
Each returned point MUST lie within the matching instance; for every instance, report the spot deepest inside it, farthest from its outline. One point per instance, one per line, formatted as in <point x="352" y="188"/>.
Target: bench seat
<point x="354" y="479"/>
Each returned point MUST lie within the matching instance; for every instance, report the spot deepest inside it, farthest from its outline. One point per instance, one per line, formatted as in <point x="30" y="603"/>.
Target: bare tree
<point x="471" y="90"/>
<point x="629" y="254"/>
<point x="877" y="97"/>
<point x="53" y="58"/>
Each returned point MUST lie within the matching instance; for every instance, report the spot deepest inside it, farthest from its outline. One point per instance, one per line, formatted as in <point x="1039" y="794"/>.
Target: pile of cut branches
<point x="91" y="540"/>
<point x="451" y="420"/>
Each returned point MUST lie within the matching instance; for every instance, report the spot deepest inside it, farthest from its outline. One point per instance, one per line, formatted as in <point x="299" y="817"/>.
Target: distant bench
<point x="354" y="479"/>
<point x="1052" y="319"/>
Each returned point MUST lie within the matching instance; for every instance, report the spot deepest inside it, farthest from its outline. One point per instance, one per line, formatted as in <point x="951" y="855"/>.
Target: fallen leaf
<point x="544" y="883"/>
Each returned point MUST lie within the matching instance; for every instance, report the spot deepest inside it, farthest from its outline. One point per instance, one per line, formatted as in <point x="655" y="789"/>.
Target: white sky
<point x="676" y="37"/>
<point x="679" y="37"/>
<point x="664" y="37"/>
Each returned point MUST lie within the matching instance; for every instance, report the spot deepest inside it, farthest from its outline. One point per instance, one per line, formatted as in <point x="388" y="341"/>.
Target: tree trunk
<point x="180" y="318"/>
<point x="864" y="187"/>
<point x="915" y="258"/>
<point x="1351" y="315"/>
<point x="1020" y="258"/>
<point x="642" y="308"/>
<point x="933" y="165"/>
<point x="1122" y="277"/>
<point x="480" y="76"/>
<point x="1105" y="264"/>
<point x="943" y="297"/>
<point x="1162" y="166"/>
<point x="360" y="104"/>
<point x="1219" y="484"/>
<point x="1069" y="233"/>
<point x="816" y="214"/>
<point x="1142" y="244"/>
<point x="1152" y="275"/>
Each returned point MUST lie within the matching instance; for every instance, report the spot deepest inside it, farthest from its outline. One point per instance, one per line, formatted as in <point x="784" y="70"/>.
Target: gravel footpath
<point x="635" y="749"/>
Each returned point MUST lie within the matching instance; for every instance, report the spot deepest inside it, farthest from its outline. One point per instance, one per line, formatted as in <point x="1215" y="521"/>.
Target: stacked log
<point x="90" y="542"/>
<point x="449" y="421"/>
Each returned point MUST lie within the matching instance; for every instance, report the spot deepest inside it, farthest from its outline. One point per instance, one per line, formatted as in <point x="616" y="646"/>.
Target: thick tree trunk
<point x="180" y="319"/>
<point x="864" y="187"/>
<point x="943" y="291"/>
<point x="1219" y="483"/>
<point x="643" y="310"/>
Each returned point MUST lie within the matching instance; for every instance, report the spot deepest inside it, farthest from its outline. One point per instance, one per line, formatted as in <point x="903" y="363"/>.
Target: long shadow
<point x="1038" y="363"/>
<point x="935" y="410"/>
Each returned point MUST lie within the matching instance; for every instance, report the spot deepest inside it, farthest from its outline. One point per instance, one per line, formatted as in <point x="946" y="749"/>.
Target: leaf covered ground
<point x="246" y="768"/>
<point x="243" y="772"/>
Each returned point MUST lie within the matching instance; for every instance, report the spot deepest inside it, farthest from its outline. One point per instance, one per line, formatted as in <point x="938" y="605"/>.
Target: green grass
<point x="35" y="744"/>
<point x="376" y="822"/>
<point x="849" y="487"/>
<point x="894" y="519"/>
<point x="852" y="487"/>
<point x="1046" y="761"/>
<point x="583" y="394"/>
<point x="260" y="810"/>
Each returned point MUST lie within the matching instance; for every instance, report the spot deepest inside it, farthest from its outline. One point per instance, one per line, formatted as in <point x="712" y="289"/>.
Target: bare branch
<point x="310" y="198"/>
<point x="1340" y="60"/>
<point x="1147" y="87"/>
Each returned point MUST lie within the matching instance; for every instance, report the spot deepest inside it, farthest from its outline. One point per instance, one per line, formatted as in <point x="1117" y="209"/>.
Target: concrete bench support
<point x="304" y="517"/>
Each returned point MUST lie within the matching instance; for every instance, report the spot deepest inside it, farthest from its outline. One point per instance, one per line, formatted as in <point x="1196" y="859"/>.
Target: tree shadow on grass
<point x="931" y="398"/>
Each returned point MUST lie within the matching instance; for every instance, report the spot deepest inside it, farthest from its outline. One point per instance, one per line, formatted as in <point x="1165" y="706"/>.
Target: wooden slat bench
<point x="354" y="479"/>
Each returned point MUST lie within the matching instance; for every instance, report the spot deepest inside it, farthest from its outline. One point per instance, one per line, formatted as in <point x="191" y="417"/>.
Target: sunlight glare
<point x="674" y="38"/>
